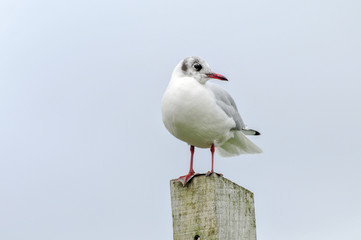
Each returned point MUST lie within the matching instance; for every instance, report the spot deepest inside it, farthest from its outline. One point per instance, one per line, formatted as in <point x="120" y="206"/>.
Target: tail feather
<point x="237" y="145"/>
<point x="247" y="131"/>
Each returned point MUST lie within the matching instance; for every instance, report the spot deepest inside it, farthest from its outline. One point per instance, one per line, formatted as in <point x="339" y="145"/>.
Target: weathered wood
<point x="214" y="208"/>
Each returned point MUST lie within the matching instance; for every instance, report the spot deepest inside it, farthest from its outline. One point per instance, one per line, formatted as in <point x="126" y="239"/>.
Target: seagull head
<point x="198" y="69"/>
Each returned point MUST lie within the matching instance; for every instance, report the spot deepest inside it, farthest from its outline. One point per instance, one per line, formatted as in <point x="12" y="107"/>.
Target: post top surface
<point x="203" y="178"/>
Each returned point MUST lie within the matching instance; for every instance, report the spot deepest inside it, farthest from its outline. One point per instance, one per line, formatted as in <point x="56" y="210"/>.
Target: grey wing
<point x="227" y="104"/>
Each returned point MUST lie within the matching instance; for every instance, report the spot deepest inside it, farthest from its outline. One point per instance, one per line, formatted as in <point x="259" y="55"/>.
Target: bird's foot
<point x="209" y="173"/>
<point x="186" y="178"/>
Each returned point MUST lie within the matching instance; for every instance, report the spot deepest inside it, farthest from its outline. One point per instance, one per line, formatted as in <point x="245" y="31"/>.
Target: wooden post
<point x="212" y="208"/>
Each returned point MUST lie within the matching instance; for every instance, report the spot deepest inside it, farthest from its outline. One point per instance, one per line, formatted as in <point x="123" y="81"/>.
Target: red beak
<point x="217" y="76"/>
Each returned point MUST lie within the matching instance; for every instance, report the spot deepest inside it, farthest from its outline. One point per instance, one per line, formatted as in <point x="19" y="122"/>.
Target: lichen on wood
<point x="213" y="208"/>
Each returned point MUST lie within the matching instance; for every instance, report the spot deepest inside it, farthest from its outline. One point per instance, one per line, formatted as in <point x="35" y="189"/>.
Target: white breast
<point x="191" y="114"/>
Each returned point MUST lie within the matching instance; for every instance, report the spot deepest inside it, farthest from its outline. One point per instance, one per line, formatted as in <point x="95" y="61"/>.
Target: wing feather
<point x="225" y="101"/>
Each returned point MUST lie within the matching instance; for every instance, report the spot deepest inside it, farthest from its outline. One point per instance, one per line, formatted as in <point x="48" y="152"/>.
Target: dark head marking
<point x="184" y="66"/>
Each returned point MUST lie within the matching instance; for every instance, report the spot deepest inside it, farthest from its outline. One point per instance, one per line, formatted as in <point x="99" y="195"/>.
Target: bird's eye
<point x="197" y="67"/>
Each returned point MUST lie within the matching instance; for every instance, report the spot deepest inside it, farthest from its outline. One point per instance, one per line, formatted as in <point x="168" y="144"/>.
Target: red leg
<point x="186" y="178"/>
<point x="191" y="166"/>
<point x="212" y="171"/>
<point x="212" y="151"/>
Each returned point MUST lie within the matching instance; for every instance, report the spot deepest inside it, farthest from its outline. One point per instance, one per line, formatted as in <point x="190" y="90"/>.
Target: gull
<point x="203" y="114"/>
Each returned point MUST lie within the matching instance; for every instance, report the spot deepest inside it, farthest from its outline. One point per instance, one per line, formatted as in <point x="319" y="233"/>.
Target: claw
<point x="186" y="178"/>
<point x="209" y="173"/>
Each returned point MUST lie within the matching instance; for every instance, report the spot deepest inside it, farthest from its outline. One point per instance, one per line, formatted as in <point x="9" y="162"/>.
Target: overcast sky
<point x="83" y="150"/>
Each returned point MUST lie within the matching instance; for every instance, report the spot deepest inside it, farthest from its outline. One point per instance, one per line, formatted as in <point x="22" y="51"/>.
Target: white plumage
<point x="201" y="113"/>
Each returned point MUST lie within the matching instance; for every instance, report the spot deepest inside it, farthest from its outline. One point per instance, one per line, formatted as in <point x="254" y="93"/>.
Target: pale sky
<point x="83" y="150"/>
